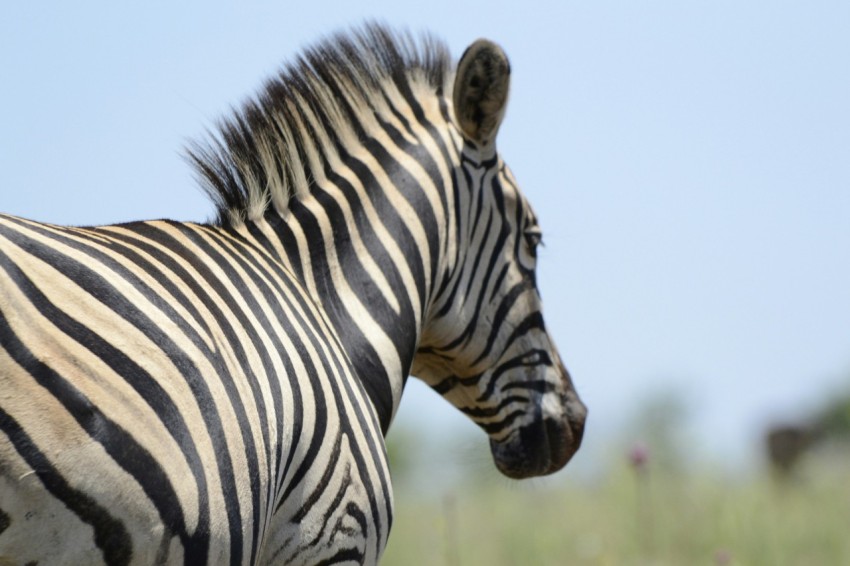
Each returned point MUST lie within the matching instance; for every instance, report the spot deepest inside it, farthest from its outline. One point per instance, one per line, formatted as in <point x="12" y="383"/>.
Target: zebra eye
<point x="533" y="238"/>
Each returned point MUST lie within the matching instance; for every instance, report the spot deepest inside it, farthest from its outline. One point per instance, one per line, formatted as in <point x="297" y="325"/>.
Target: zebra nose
<point x="576" y="418"/>
<point x="574" y="409"/>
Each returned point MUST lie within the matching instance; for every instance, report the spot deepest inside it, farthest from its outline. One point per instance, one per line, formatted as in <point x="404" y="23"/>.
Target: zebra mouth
<point x="542" y="447"/>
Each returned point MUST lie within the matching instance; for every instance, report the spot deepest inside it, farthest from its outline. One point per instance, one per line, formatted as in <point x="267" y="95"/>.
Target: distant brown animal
<point x="786" y="444"/>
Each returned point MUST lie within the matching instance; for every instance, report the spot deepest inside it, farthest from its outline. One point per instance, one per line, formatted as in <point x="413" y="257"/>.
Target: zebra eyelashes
<point x="533" y="238"/>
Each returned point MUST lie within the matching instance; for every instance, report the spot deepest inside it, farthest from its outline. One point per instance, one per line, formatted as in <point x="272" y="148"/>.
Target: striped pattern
<point x="218" y="393"/>
<point x="150" y="346"/>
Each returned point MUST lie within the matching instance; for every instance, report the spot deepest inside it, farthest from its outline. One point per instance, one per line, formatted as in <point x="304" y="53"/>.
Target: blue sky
<point x="689" y="162"/>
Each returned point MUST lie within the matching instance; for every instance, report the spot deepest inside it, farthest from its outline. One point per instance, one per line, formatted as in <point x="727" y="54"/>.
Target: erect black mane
<point x="258" y="157"/>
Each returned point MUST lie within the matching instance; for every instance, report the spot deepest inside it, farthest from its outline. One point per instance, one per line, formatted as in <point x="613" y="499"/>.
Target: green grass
<point x="630" y="519"/>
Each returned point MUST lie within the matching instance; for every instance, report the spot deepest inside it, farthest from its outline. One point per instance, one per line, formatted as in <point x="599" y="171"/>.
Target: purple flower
<point x="639" y="456"/>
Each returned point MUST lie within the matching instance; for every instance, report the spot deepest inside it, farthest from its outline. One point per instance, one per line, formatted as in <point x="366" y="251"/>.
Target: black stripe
<point x="533" y="320"/>
<point x="475" y="196"/>
<point x="367" y="423"/>
<point x="131" y="456"/>
<point x="506" y="422"/>
<point x="110" y="535"/>
<point x="320" y="426"/>
<point x="503" y="232"/>
<point x="103" y="291"/>
<point x="530" y="358"/>
<point x="330" y="469"/>
<point x="234" y="340"/>
<point x="477" y="413"/>
<point x="359" y="347"/>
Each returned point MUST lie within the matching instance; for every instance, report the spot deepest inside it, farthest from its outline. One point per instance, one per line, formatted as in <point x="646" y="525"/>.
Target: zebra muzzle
<point x="544" y="445"/>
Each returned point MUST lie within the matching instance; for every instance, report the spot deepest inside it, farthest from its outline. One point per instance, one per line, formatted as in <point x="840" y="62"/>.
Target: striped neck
<point x="370" y="265"/>
<point x="345" y="163"/>
<point x="368" y="242"/>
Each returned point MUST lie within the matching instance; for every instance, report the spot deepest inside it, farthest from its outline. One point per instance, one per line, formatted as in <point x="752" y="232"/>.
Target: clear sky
<point x="689" y="162"/>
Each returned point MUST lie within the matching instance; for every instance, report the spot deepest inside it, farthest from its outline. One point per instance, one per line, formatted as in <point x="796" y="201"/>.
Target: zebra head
<point x="485" y="347"/>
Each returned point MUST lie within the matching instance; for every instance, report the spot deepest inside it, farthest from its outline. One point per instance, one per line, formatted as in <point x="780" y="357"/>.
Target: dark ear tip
<point x="479" y="46"/>
<point x="486" y="52"/>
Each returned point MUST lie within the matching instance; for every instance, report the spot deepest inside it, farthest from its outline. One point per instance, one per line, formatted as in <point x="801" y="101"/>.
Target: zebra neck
<point x="368" y="292"/>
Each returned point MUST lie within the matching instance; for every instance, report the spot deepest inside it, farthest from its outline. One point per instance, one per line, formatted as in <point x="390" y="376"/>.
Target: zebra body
<point x="184" y="399"/>
<point x="218" y="393"/>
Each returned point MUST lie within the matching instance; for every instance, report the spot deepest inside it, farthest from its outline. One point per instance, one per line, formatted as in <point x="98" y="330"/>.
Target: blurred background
<point x="690" y="166"/>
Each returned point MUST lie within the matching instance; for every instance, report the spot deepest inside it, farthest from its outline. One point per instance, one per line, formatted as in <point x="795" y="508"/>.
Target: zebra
<point x="178" y="392"/>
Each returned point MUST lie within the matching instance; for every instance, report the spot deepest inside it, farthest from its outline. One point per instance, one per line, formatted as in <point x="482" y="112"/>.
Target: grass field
<point x="632" y="517"/>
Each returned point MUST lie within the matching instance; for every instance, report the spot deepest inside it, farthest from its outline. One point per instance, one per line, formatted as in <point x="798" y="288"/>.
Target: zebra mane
<point x="263" y="153"/>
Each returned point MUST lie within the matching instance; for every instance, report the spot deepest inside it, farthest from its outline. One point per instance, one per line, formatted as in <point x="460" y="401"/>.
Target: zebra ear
<point x="481" y="90"/>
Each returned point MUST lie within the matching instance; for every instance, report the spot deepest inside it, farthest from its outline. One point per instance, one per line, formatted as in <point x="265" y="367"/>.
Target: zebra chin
<point x="542" y="447"/>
